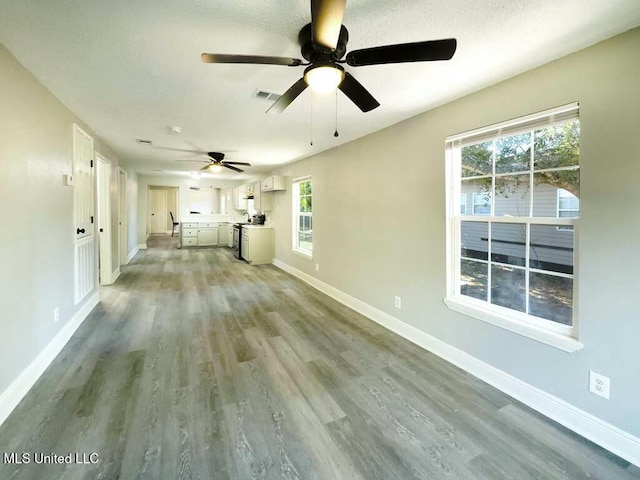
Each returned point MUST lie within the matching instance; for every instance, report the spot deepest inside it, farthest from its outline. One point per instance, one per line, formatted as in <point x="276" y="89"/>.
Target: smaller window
<point x="463" y="204"/>
<point x="482" y="203"/>
<point x="568" y="205"/>
<point x="302" y="197"/>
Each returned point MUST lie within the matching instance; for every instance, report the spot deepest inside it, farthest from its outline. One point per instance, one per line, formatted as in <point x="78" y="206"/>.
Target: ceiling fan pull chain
<point x="311" y="135"/>
<point x="336" y="134"/>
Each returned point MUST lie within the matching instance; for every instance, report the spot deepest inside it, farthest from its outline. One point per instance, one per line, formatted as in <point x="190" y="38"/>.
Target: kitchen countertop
<point x="255" y="226"/>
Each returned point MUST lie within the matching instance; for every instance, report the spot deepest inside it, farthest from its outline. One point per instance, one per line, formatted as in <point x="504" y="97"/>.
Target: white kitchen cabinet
<point x="239" y="202"/>
<point x="207" y="234"/>
<point x="257" y="197"/>
<point x="273" y="183"/>
<point x="230" y="227"/>
<point x="223" y="234"/>
<point x="188" y="234"/>
<point x="257" y="245"/>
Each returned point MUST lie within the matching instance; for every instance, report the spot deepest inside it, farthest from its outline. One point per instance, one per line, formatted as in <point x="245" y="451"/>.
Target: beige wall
<point x="36" y="208"/>
<point x="379" y="224"/>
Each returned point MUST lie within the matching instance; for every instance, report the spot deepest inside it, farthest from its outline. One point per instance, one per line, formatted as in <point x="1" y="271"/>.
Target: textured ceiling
<point x="130" y="69"/>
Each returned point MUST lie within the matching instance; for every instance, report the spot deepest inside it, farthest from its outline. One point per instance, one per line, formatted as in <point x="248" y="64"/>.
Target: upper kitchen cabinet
<point x="273" y="183"/>
<point x="239" y="198"/>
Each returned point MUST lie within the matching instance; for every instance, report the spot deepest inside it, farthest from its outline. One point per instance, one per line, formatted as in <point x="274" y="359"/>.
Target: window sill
<point x="557" y="339"/>
<point x="302" y="253"/>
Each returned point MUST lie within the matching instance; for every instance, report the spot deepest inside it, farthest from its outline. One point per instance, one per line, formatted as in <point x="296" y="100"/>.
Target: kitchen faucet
<point x="247" y="214"/>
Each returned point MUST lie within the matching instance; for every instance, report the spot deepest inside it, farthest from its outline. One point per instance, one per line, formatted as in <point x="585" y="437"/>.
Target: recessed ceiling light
<point x="175" y="129"/>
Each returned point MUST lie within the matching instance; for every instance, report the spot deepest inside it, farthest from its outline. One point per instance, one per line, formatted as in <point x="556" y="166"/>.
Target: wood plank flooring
<point x="198" y="366"/>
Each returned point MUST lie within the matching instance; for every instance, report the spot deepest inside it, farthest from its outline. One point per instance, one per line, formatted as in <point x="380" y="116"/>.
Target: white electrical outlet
<point x="56" y="315"/>
<point x="599" y="384"/>
<point x="398" y="303"/>
<point x="317" y="267"/>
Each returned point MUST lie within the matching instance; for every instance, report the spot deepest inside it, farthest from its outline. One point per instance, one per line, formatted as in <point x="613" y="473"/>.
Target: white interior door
<point x="104" y="221"/>
<point x="83" y="212"/>
<point x="158" y="211"/>
<point x="123" y="247"/>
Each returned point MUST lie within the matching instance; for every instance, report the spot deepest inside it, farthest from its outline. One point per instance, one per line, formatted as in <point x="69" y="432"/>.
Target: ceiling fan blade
<point x="357" y="93"/>
<point x="288" y="96"/>
<point x="252" y="59"/>
<point x="194" y="160"/>
<point x="326" y="21"/>
<point x="405" y="52"/>
<point x="232" y="167"/>
<point x="237" y="163"/>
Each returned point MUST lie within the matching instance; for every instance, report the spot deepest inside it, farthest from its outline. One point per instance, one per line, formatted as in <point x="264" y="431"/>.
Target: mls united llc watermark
<point x="51" y="458"/>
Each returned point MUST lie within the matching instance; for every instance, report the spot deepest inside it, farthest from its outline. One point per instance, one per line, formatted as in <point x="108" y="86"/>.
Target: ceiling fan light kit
<point x="323" y="44"/>
<point x="324" y="78"/>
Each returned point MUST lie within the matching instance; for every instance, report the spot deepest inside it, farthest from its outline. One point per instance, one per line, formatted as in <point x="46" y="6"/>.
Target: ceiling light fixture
<point x="175" y="129"/>
<point x="324" y="78"/>
<point x="215" y="168"/>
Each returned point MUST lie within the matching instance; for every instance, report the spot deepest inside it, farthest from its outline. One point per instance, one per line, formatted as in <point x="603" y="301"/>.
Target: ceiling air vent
<point x="264" y="95"/>
<point x="143" y="141"/>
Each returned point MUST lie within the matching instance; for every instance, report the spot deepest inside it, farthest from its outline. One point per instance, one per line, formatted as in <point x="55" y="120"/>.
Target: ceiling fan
<point x="324" y="43"/>
<point x="215" y="161"/>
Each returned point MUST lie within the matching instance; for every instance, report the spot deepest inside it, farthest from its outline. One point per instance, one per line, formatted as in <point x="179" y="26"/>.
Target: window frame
<point x="561" y="336"/>
<point x="297" y="215"/>
<point x="463" y="203"/>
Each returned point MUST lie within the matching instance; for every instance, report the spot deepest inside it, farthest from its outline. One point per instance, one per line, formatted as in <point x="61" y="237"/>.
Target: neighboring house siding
<point x="509" y="239"/>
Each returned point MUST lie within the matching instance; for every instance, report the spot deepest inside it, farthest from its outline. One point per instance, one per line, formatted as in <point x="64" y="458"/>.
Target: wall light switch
<point x="68" y="180"/>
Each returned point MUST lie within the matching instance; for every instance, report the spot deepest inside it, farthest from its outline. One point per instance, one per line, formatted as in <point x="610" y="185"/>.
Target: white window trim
<point x="563" y="337"/>
<point x="295" y="198"/>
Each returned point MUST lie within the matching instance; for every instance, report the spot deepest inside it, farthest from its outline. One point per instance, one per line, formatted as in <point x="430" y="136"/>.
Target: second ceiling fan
<point x="323" y="44"/>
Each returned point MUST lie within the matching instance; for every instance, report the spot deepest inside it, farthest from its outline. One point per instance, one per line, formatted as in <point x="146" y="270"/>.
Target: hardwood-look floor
<point x="197" y="365"/>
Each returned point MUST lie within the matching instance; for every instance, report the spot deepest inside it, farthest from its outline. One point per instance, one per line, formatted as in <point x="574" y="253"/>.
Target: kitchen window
<point x="302" y="196"/>
<point x="511" y="262"/>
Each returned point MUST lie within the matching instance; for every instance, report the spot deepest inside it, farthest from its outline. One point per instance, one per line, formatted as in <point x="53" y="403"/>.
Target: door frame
<point x="103" y="184"/>
<point x="123" y="244"/>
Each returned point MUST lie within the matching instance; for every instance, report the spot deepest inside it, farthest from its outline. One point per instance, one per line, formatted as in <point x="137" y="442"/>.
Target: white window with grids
<point x="302" y="196"/>
<point x="511" y="262"/>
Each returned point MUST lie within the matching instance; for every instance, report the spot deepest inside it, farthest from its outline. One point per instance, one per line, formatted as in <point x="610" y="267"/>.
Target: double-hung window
<point x="302" y="195"/>
<point x="511" y="258"/>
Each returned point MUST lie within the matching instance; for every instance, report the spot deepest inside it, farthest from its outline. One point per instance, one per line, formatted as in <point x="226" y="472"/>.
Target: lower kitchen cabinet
<point x="223" y="234"/>
<point x="257" y="245"/>
<point x="207" y="234"/>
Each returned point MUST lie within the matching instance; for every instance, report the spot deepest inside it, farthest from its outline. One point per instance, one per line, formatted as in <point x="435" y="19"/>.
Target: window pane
<point x="476" y="159"/>
<point x="305" y="187"/>
<point x="471" y="188"/>
<point x="508" y="243"/>
<point x="550" y="297"/>
<point x="482" y="203"/>
<point x="551" y="248"/>
<point x="507" y="287"/>
<point x="473" y="279"/>
<point x="545" y="190"/>
<point x="557" y="146"/>
<point x="512" y="195"/>
<point x="513" y="154"/>
<point x="474" y="243"/>
<point x="463" y="204"/>
<point x="305" y="204"/>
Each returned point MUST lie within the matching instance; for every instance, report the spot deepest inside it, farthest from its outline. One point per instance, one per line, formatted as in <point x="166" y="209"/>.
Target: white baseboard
<point x="15" y="392"/>
<point x="142" y="246"/>
<point x="589" y="426"/>
<point x="133" y="253"/>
